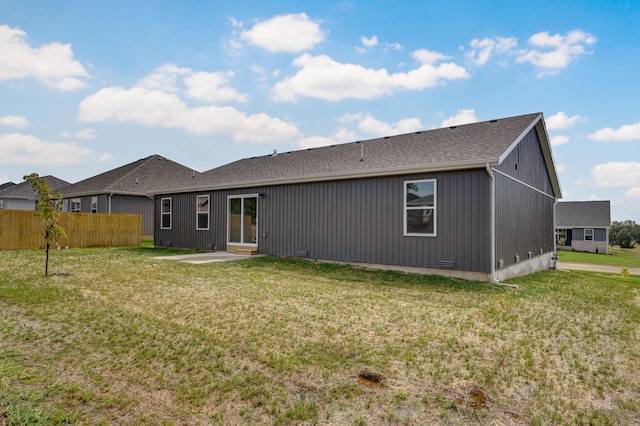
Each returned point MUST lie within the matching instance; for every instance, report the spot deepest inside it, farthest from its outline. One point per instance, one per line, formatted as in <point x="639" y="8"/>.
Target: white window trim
<point x="592" y="234"/>
<point x="170" y="213"/>
<point x="74" y="201"/>
<point x="208" y="212"/>
<point x="242" y="196"/>
<point x="434" y="208"/>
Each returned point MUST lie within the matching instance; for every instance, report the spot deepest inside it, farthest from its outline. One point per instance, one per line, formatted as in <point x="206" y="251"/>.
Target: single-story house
<point x="473" y="201"/>
<point x="21" y="196"/>
<point x="583" y="225"/>
<point x="125" y="189"/>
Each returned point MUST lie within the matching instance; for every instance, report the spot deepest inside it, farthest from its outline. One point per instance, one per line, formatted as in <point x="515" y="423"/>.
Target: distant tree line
<point x="626" y="233"/>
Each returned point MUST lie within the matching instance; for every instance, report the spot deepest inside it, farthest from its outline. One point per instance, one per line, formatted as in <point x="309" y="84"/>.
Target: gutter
<point x="331" y="177"/>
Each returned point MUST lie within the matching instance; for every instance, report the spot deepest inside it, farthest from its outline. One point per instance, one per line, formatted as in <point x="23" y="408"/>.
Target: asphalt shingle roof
<point x="572" y="214"/>
<point x="24" y="190"/>
<point x="452" y="147"/>
<point x="138" y="178"/>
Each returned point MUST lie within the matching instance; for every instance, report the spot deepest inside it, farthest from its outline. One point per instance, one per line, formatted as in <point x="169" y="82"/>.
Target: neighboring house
<point x="21" y="196"/>
<point x="125" y="189"/>
<point x="472" y="201"/>
<point x="583" y="225"/>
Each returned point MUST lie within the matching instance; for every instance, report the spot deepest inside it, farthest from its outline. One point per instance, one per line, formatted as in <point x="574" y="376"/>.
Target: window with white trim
<point x="588" y="234"/>
<point x="94" y="204"/>
<point x="75" y="205"/>
<point x="420" y="203"/>
<point x="165" y="213"/>
<point x="202" y="212"/>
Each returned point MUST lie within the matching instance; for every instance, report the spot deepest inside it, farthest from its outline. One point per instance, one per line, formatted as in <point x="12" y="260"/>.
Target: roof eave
<point x="336" y="176"/>
<point x="92" y="193"/>
<point x="545" y="145"/>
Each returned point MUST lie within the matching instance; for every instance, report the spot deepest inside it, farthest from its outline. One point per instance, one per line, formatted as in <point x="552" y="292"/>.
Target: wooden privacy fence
<point x="21" y="229"/>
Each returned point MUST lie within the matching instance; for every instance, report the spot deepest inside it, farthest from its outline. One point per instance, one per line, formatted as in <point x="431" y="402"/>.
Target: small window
<point x="420" y="208"/>
<point x="202" y="219"/>
<point x="75" y="205"/>
<point x="588" y="234"/>
<point x="165" y="213"/>
<point x="94" y="204"/>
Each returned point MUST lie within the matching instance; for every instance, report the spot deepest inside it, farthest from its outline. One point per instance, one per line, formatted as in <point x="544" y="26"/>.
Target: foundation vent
<point x="447" y="264"/>
<point x="500" y="263"/>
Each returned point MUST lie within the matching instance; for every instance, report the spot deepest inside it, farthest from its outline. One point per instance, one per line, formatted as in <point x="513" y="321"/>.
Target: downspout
<point x="492" y="224"/>
<point x="110" y="195"/>
<point x="554" y="257"/>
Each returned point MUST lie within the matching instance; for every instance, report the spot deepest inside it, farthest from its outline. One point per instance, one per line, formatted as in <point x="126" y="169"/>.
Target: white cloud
<point x="554" y="52"/>
<point x="342" y="135"/>
<point x="558" y="140"/>
<point x="85" y="134"/>
<point x="464" y="116"/>
<point x="164" y="78"/>
<point x="285" y="33"/>
<point x="482" y="50"/>
<point x="16" y="121"/>
<point x="52" y="64"/>
<point x="593" y="197"/>
<point x="369" y="42"/>
<point x="204" y="86"/>
<point x="27" y="149"/>
<point x="561" y="168"/>
<point x="633" y="192"/>
<point x="104" y="157"/>
<point x="379" y="128"/>
<point x="156" y="108"/>
<point x="323" y="78"/>
<point x="212" y="87"/>
<point x="4" y="179"/>
<point x="428" y="57"/>
<point x="627" y="132"/>
<point x="562" y="121"/>
<point x="625" y="173"/>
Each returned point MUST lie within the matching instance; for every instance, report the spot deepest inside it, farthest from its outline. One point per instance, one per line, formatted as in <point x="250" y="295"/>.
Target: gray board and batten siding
<point x="346" y="202"/>
<point x="356" y="220"/>
<point x="524" y="214"/>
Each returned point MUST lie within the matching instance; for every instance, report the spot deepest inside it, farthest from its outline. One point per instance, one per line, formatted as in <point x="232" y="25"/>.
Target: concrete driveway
<point x="575" y="266"/>
<point x="208" y="257"/>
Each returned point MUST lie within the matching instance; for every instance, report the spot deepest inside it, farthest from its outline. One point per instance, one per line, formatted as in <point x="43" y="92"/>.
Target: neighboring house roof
<point x="581" y="214"/>
<point x="138" y="178"/>
<point x="24" y="190"/>
<point x="6" y="185"/>
<point x="450" y="148"/>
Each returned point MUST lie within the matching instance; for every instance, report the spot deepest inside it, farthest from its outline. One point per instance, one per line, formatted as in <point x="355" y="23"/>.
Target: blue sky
<point x="87" y="86"/>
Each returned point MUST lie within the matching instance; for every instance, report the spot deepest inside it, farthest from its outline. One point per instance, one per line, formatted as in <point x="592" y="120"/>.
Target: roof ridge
<point x="140" y="162"/>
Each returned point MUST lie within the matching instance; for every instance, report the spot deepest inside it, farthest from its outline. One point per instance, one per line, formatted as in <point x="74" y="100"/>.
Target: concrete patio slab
<point x="208" y="257"/>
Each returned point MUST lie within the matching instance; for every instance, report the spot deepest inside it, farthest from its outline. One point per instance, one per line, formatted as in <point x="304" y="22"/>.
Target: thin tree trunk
<point x="46" y="263"/>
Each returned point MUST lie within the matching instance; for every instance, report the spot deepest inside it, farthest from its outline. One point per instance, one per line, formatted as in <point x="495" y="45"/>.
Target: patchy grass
<point x="617" y="256"/>
<point x="125" y="339"/>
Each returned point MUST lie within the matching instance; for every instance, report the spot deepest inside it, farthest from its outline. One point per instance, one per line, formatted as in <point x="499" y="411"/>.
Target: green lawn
<point x="617" y="256"/>
<point x="121" y="338"/>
